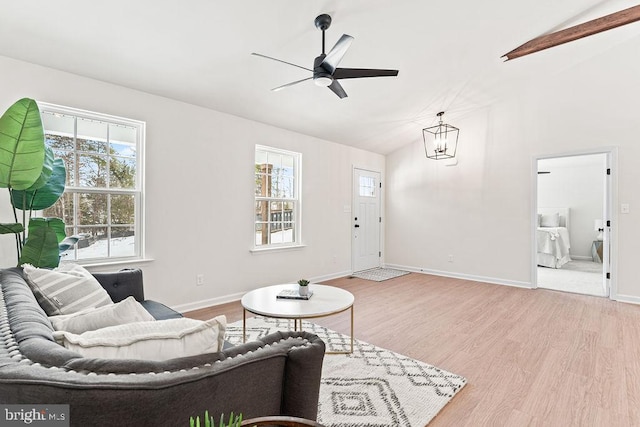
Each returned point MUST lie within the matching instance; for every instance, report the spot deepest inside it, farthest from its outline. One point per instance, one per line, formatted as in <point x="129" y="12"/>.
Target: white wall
<point x="199" y="189"/>
<point x="479" y="210"/>
<point x="577" y="183"/>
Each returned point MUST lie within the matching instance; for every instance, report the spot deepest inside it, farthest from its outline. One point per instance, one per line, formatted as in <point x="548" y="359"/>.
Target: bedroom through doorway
<point x="571" y="234"/>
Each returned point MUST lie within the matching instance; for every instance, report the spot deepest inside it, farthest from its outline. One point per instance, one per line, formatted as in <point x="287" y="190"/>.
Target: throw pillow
<point x="159" y="340"/>
<point x="126" y="311"/>
<point x="552" y="220"/>
<point x="66" y="289"/>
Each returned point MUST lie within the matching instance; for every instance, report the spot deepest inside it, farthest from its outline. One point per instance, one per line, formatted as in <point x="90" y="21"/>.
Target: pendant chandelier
<point x="440" y="141"/>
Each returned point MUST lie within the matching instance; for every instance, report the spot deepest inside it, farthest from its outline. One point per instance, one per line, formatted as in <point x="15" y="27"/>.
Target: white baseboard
<point x="472" y="277"/>
<point x="190" y="306"/>
<point x="183" y="308"/>
<point x="583" y="258"/>
<point x="630" y="299"/>
<point x="331" y="276"/>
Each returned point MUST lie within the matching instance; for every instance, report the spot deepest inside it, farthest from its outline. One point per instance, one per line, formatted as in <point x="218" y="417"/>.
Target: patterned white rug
<point x="379" y="274"/>
<point x="372" y="386"/>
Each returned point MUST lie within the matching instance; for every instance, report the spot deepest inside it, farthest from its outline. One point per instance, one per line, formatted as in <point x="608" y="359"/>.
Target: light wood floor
<point x="531" y="357"/>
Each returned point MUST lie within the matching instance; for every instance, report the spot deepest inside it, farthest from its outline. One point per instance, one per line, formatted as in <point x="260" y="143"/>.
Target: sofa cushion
<point x="126" y="311"/>
<point x="65" y="290"/>
<point x="155" y="340"/>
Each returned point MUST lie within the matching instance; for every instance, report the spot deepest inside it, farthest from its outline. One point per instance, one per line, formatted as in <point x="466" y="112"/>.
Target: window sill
<point x="276" y="249"/>
<point x="110" y="262"/>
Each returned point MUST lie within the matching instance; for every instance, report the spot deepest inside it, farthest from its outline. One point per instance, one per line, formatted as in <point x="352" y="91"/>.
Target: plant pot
<point x="303" y="290"/>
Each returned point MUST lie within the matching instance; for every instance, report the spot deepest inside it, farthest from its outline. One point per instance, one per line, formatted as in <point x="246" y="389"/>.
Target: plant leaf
<point x="47" y="169"/>
<point x="41" y="247"/>
<point x="45" y="196"/>
<point x="21" y="145"/>
<point x="14" y="228"/>
<point x="69" y="241"/>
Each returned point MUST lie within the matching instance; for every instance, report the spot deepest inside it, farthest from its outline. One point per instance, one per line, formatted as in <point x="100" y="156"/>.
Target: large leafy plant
<point x="35" y="180"/>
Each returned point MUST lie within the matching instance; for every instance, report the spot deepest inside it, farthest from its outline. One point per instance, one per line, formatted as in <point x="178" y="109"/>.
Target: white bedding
<point x="553" y="246"/>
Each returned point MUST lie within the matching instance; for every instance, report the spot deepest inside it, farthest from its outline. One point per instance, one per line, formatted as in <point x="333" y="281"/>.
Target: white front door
<point x="365" y="220"/>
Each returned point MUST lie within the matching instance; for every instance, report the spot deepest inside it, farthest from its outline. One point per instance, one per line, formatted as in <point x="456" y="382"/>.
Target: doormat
<point x="379" y="274"/>
<point x="371" y="387"/>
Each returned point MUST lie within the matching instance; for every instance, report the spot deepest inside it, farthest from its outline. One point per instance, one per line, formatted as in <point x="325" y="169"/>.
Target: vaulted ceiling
<point x="448" y="53"/>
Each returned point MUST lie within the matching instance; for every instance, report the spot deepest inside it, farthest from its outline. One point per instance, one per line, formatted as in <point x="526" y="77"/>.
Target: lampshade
<point x="440" y="141"/>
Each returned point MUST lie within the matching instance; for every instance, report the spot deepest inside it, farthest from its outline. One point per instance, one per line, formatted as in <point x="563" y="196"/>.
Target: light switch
<point x="624" y="208"/>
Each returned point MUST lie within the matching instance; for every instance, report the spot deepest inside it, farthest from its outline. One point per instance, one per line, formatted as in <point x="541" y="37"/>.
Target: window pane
<point x="123" y="136"/>
<point x="59" y="124"/>
<point x="122" y="243"/>
<point x="95" y="245"/>
<point x="262" y="236"/>
<point x="287" y="166"/>
<point x="92" y="171"/>
<point x="261" y="157"/>
<point x="261" y="184"/>
<point x="123" y="209"/>
<point x="262" y="210"/>
<point x="122" y="172"/>
<point x="367" y="186"/>
<point x="69" y="254"/>
<point x="92" y="135"/>
<point x="59" y="142"/>
<point x="280" y="234"/>
<point x="62" y="209"/>
<point x="92" y="209"/>
<point x="275" y="160"/>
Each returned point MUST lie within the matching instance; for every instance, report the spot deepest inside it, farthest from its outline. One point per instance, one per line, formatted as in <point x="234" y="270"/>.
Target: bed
<point x="552" y="237"/>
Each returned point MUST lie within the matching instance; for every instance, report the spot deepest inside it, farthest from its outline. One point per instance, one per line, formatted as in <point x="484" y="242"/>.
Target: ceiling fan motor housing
<point x="321" y="77"/>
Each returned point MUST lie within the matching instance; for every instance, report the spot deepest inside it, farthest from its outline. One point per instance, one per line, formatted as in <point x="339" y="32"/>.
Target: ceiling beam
<point x="570" y="34"/>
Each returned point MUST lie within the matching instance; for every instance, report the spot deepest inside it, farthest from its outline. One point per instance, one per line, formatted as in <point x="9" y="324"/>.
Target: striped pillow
<point x="65" y="290"/>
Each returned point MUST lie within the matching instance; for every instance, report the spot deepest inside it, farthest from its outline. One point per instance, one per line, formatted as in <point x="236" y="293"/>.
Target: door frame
<point x="611" y="200"/>
<point x="352" y="210"/>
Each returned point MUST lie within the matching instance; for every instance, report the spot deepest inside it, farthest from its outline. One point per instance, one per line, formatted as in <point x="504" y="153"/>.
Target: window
<point x="277" y="199"/>
<point x="103" y="193"/>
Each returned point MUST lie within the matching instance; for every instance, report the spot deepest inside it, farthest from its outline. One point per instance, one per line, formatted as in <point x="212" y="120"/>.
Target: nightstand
<point x="596" y="251"/>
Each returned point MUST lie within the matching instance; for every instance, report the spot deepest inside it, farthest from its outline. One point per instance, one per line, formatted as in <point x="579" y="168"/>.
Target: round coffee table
<point x="326" y="300"/>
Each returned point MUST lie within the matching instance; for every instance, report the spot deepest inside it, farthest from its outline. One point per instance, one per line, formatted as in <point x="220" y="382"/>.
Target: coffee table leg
<point x="352" y="329"/>
<point x="244" y="325"/>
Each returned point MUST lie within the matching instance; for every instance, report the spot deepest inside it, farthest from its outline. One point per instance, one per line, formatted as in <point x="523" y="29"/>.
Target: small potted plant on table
<point x="303" y="288"/>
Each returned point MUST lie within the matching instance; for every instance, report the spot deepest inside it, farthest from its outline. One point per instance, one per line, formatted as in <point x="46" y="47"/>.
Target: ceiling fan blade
<point x="337" y="89"/>
<point x="336" y="53"/>
<point x="279" y="60"/>
<point x="275" y="89"/>
<point x="356" y="73"/>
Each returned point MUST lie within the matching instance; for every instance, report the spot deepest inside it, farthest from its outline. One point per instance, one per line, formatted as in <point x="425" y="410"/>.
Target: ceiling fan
<point x="325" y="67"/>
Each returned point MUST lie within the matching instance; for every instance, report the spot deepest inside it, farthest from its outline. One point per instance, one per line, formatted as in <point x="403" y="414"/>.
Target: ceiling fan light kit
<point x="440" y="141"/>
<point x="325" y="71"/>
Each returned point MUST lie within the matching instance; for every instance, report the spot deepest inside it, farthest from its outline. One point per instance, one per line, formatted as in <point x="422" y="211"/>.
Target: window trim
<point x="140" y="226"/>
<point x="297" y="199"/>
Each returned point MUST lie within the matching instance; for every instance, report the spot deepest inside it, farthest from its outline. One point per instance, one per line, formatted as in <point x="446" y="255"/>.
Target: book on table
<point x="293" y="294"/>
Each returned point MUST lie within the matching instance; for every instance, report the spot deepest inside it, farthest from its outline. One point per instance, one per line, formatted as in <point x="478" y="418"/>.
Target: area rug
<point x="379" y="274"/>
<point x="372" y="387"/>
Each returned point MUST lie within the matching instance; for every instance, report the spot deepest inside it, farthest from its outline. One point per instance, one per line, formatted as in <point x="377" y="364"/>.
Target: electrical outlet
<point x="199" y="279"/>
<point x="450" y="258"/>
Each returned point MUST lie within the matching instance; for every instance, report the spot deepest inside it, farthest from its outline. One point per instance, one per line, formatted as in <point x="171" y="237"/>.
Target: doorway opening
<point x="572" y="221"/>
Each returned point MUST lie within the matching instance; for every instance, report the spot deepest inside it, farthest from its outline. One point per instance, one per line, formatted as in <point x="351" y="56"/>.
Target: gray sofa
<point x="276" y="375"/>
